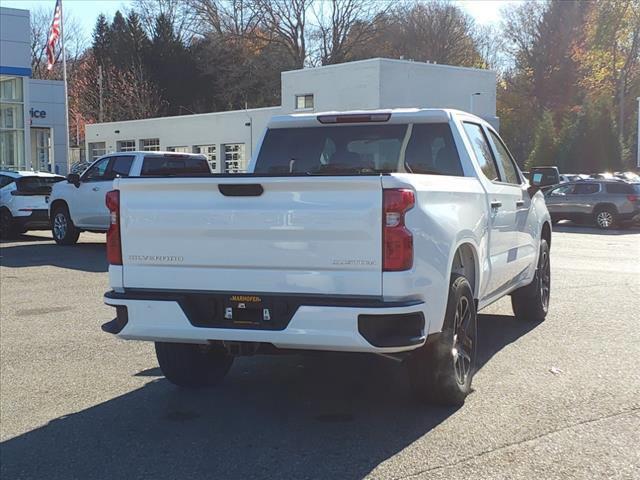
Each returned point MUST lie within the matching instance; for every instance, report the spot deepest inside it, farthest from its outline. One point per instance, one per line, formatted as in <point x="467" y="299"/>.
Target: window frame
<point x="495" y="162"/>
<point x="144" y="148"/>
<point x="503" y="176"/>
<point x="597" y="184"/>
<point x="127" y="149"/>
<point x="304" y="96"/>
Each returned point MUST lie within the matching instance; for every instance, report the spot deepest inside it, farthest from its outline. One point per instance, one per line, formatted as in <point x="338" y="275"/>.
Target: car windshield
<point x="359" y="149"/>
<point x="36" y="184"/>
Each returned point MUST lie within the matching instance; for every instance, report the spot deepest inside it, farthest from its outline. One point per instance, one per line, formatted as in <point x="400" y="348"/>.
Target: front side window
<point x="304" y="102"/>
<point x="561" y="191"/>
<point x="504" y="158"/>
<point x="97" y="171"/>
<point x="586" y="188"/>
<point x="150" y="145"/>
<point x="482" y="150"/>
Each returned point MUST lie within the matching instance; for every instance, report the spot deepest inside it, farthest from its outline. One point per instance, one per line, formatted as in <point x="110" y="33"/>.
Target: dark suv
<point x="603" y="202"/>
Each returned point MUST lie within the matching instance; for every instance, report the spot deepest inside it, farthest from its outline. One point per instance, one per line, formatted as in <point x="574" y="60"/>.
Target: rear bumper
<point x="362" y="326"/>
<point x="34" y="220"/>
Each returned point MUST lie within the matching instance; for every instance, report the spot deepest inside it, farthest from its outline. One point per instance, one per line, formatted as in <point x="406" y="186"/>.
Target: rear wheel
<point x="62" y="227"/>
<point x="531" y="303"/>
<point x="441" y="371"/>
<point x="605" y="218"/>
<point x="7" y="224"/>
<point x="190" y="365"/>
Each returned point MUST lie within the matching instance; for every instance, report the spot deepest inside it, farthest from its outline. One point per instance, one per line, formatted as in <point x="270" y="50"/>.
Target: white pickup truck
<point x="78" y="204"/>
<point x="379" y="231"/>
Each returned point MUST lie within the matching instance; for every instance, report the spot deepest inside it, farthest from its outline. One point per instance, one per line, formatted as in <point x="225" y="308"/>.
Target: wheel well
<point x="546" y="233"/>
<point x="603" y="206"/>
<point x="464" y="263"/>
<point x="57" y="204"/>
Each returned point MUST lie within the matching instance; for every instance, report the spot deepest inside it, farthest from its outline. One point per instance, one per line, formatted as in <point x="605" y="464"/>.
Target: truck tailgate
<point x="301" y="235"/>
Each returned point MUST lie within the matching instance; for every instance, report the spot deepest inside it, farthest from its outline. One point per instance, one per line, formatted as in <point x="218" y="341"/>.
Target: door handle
<point x="495" y="205"/>
<point x="519" y="203"/>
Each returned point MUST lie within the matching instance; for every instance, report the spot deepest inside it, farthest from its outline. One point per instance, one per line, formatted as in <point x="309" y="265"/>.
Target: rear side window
<point x="174" y="165"/>
<point x="431" y="150"/>
<point x="620" y="188"/>
<point x="121" y="166"/>
<point x="5" y="180"/>
<point x="483" y="152"/>
<point x="586" y="188"/>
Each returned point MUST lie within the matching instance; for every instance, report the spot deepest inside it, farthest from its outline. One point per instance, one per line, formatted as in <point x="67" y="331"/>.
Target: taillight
<point x="114" y="247"/>
<point x="633" y="198"/>
<point x="397" y="240"/>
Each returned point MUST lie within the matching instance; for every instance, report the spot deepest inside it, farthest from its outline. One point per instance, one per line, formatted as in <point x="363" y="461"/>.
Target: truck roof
<point x="396" y="115"/>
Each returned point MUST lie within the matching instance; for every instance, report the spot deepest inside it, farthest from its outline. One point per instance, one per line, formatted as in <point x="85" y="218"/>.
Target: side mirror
<point x="74" y="178"/>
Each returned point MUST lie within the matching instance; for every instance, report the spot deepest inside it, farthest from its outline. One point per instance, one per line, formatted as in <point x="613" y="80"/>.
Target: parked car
<point x="378" y="232"/>
<point x="628" y="176"/>
<point x="79" y="203"/>
<point x="548" y="175"/>
<point x="605" y="203"/>
<point x="22" y="201"/>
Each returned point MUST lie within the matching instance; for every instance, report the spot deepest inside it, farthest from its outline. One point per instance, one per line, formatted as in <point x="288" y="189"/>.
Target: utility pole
<point x="100" y="119"/>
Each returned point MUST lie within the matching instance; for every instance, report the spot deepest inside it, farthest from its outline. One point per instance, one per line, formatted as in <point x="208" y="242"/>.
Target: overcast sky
<point x="86" y="11"/>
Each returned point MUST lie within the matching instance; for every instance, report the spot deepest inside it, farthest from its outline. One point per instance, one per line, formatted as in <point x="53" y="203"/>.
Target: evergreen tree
<point x="102" y="41"/>
<point x="138" y="42"/>
<point x="119" y="42"/>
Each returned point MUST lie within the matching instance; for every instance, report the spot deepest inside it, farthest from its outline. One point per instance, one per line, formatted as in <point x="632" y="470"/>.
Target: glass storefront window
<point x="11" y="123"/>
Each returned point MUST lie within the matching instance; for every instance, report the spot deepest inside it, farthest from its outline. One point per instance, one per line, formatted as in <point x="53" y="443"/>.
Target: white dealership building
<point x="230" y="138"/>
<point x="33" y="135"/>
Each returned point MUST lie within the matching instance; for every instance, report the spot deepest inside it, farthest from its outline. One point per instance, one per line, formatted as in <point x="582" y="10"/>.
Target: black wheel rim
<point x="544" y="279"/>
<point x="463" y="340"/>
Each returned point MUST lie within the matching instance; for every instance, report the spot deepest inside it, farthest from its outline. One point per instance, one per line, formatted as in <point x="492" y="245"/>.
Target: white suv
<point x="23" y="203"/>
<point x="79" y="203"/>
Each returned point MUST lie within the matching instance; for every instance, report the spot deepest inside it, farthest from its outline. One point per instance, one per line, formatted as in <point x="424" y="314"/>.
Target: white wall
<point x="15" y="49"/>
<point x="48" y="96"/>
<point x="347" y="86"/>
<point x="188" y="130"/>
<point x="417" y="84"/>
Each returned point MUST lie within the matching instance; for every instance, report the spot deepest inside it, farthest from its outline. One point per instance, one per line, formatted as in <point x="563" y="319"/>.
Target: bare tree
<point x="239" y="18"/>
<point x="345" y="25"/>
<point x="178" y="12"/>
<point x="284" y="22"/>
<point x="75" y="44"/>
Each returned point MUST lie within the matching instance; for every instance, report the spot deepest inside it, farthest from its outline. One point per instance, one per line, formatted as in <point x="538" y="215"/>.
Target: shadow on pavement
<point x="291" y="416"/>
<point x="89" y="257"/>
<point x="571" y="227"/>
<point x="25" y="238"/>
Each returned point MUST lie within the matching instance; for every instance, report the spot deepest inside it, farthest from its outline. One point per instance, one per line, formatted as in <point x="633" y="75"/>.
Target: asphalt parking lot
<point x="553" y="400"/>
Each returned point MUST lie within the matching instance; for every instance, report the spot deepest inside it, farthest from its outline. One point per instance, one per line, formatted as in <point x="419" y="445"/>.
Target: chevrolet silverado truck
<point x="379" y="231"/>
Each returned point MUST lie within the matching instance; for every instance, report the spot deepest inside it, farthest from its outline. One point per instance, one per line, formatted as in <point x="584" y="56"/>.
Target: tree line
<point x="568" y="71"/>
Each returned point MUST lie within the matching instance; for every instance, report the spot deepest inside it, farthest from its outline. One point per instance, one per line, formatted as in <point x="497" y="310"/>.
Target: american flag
<point x="54" y="35"/>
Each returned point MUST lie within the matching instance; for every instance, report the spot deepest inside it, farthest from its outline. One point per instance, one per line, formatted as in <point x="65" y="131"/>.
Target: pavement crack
<point x="520" y="442"/>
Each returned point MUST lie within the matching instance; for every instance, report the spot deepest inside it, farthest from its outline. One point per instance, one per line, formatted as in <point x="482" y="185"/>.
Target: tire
<point x="531" y="303"/>
<point x="605" y="218"/>
<point x="193" y="366"/>
<point x="62" y="228"/>
<point x="442" y="369"/>
<point x="7" y="225"/>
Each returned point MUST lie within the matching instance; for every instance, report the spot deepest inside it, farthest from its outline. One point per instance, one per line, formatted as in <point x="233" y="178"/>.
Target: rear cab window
<point x="174" y="165"/>
<point x="426" y="148"/>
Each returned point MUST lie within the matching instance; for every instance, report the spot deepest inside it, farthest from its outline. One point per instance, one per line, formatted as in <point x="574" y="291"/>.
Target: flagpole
<point x="66" y="91"/>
